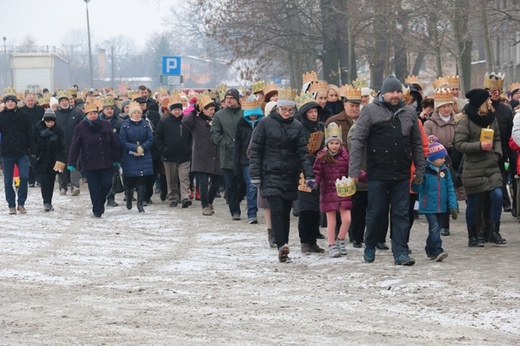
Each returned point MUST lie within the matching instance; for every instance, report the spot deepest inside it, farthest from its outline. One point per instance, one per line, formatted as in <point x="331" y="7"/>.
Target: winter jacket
<point x="49" y="146"/>
<point x="95" y="143"/>
<point x="436" y="192"/>
<point x="278" y="153"/>
<point x="115" y="124"/>
<point x="392" y="140"/>
<point x="504" y="116"/>
<point x="205" y="154"/>
<point x="35" y="114"/>
<point x="153" y="118"/>
<point x="444" y="131"/>
<point x="343" y="120"/>
<point x="223" y="131"/>
<point x="245" y="127"/>
<point x="173" y="139"/>
<point x="360" y="185"/>
<point x="67" y="119"/>
<point x="16" y="130"/>
<point x="326" y="174"/>
<point x="132" y="135"/>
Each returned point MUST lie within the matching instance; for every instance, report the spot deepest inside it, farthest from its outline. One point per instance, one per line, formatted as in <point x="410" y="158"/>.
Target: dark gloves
<point x="311" y="183"/>
<point x="417" y="179"/>
<point x="454" y="214"/>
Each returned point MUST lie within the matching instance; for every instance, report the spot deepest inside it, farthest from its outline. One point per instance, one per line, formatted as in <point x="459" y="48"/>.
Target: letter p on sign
<point x="171" y="65"/>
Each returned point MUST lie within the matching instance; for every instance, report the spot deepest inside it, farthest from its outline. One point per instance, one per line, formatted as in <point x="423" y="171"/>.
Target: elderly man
<point x="388" y="130"/>
<point x="351" y="98"/>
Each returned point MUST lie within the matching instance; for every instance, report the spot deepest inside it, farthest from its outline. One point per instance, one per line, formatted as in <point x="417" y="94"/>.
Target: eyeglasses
<point x="289" y="110"/>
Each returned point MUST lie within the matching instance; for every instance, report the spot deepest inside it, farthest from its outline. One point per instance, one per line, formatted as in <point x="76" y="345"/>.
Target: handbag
<point x="117" y="182"/>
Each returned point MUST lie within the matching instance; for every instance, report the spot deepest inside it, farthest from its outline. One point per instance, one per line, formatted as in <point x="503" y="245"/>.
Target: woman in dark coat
<point x="205" y="161"/>
<point x="50" y="155"/>
<point x="278" y="155"/>
<point x="136" y="138"/>
<point x="95" y="143"/>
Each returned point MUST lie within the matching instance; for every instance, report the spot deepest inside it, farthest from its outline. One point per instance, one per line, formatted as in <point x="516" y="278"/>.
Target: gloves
<point x="71" y="168"/>
<point x="140" y="150"/>
<point x="417" y="179"/>
<point x="256" y="182"/>
<point x="454" y="214"/>
<point x="117" y="164"/>
<point x="311" y="183"/>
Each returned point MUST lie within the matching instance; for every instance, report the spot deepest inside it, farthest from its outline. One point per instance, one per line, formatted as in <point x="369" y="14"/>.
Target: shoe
<point x="12" y="211"/>
<point x="404" y="260"/>
<point x="48" y="207"/>
<point x="112" y="203"/>
<point x="370" y="254"/>
<point x="320" y="236"/>
<point x="197" y="194"/>
<point x="445" y="232"/>
<point x="507" y="209"/>
<point x="315" y="248"/>
<point x="334" y="251"/>
<point x="206" y="211"/>
<point x="96" y="215"/>
<point x="306" y="249"/>
<point x="341" y="246"/>
<point x="282" y="254"/>
<point x="357" y="245"/>
<point x="163" y="196"/>
<point x="295" y="213"/>
<point x="173" y="204"/>
<point x="75" y="191"/>
<point x="270" y="238"/>
<point x="475" y="242"/>
<point x="382" y="246"/>
<point x="21" y="209"/>
<point x="441" y="256"/>
<point x="252" y="221"/>
<point x="235" y="217"/>
<point x="63" y="192"/>
<point x="186" y="203"/>
<point x="513" y="212"/>
<point x="210" y="206"/>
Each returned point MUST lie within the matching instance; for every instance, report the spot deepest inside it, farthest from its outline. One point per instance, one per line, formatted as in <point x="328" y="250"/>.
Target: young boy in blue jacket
<point x="436" y="197"/>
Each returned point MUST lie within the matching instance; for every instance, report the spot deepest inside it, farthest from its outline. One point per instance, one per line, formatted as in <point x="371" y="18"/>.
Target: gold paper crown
<point x="345" y="187"/>
<point x="514" y="86"/>
<point x="132" y="95"/>
<point x="350" y="93"/>
<point x="161" y="90"/>
<point x="413" y="80"/>
<point x="494" y="81"/>
<point x="221" y="87"/>
<point x="72" y="92"/>
<point x="132" y="107"/>
<point x="360" y="83"/>
<point x="9" y="91"/>
<point x="287" y="94"/>
<point x="318" y="86"/>
<point x="91" y="107"/>
<point x="258" y="86"/>
<point x="442" y="96"/>
<point x="303" y="99"/>
<point x="62" y="93"/>
<point x="251" y="103"/>
<point x="175" y="98"/>
<point x="211" y="93"/>
<point x="269" y="88"/>
<point x="44" y="100"/>
<point x="108" y="101"/>
<point x="453" y="82"/>
<point x="222" y="95"/>
<point x="308" y="77"/>
<point x="440" y="82"/>
<point x="333" y="131"/>
<point x="243" y="89"/>
<point x="204" y="100"/>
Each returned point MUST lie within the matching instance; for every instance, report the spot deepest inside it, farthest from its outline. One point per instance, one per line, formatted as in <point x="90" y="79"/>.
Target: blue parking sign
<point x="171" y="65"/>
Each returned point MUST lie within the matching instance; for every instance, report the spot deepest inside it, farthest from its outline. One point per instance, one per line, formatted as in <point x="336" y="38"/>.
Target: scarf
<point x="480" y="120"/>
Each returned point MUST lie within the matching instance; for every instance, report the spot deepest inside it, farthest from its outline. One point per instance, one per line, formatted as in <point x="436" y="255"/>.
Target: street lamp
<point x="89" y="46"/>
<point x="5" y="61"/>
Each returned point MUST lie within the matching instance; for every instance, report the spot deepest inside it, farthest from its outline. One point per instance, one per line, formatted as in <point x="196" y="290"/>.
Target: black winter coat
<point x="49" y="147"/>
<point x="35" y="114"/>
<point x="153" y="117"/>
<point x="278" y="153"/>
<point x="16" y="131"/>
<point x="67" y="119"/>
<point x="173" y="139"/>
<point x="242" y="140"/>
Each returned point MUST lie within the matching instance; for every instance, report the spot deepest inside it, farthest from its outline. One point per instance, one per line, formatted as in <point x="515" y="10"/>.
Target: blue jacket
<point x="436" y="192"/>
<point x="130" y="135"/>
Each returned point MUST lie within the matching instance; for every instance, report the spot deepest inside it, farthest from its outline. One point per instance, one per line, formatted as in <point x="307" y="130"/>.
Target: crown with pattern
<point x="287" y="94"/>
<point x="258" y="86"/>
<point x="251" y="102"/>
<point x="442" y="96"/>
<point x="62" y="94"/>
<point x="494" y="81"/>
<point x="211" y="93"/>
<point x="350" y="93"/>
<point x="175" y="98"/>
<point x="333" y="131"/>
<point x="10" y="91"/>
<point x="345" y="187"/>
<point x="44" y="100"/>
<point x="221" y="87"/>
<point x="204" y="100"/>
<point x="453" y="82"/>
<point x="72" y="92"/>
<point x="308" y="77"/>
<point x="413" y="80"/>
<point x="319" y="86"/>
<point x="513" y="87"/>
<point x="441" y="82"/>
<point x="303" y="99"/>
<point x="108" y="101"/>
<point x="360" y="83"/>
<point x="91" y="107"/>
<point x="270" y="88"/>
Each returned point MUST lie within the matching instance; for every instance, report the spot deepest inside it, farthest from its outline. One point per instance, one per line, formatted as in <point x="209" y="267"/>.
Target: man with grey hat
<point x="388" y="130"/>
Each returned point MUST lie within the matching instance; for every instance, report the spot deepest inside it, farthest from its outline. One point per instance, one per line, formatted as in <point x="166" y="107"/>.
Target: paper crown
<point x="308" y="77"/>
<point x="44" y="100"/>
<point x="494" y="81"/>
<point x="442" y="96"/>
<point x="9" y="91"/>
<point x="221" y="87"/>
<point x="350" y="93"/>
<point x="243" y="90"/>
<point x="303" y="99"/>
<point x="270" y="88"/>
<point x="258" y="86"/>
<point x="333" y="131"/>
<point x="175" y="98"/>
<point x="318" y="86"/>
<point x="62" y="93"/>
<point x="132" y="94"/>
<point x="91" y="107"/>
<point x="251" y="102"/>
<point x="413" y="80"/>
<point x="287" y="94"/>
<point x="514" y="86"/>
<point x="440" y="82"/>
<point x="360" y="83"/>
<point x="72" y="92"/>
<point x="453" y="82"/>
<point x="211" y="93"/>
<point x="133" y="106"/>
<point x="345" y="187"/>
<point x="108" y="101"/>
<point x="205" y="100"/>
<point x="161" y="90"/>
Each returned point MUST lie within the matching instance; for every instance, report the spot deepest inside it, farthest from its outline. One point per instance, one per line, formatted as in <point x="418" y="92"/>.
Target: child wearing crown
<point x="331" y="164"/>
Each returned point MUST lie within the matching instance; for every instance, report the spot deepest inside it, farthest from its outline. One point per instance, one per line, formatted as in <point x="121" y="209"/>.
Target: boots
<point x="474" y="241"/>
<point x="270" y="238"/>
<point x="140" y="197"/>
<point x="494" y="235"/>
<point x="129" y="197"/>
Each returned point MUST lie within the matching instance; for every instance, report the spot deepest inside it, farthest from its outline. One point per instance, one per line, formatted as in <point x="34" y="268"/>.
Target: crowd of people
<point x="360" y="163"/>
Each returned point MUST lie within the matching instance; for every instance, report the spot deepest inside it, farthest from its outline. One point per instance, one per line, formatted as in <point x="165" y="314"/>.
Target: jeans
<point x="208" y="187"/>
<point x="251" y="194"/>
<point x="495" y="197"/>
<point x="280" y="219"/>
<point x="232" y="193"/>
<point x="381" y="194"/>
<point x="433" y="243"/>
<point x="99" y="185"/>
<point x="23" y="168"/>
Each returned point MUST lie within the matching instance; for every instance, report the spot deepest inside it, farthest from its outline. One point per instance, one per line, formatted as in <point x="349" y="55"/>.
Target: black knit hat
<point x="10" y="97"/>
<point x="391" y="84"/>
<point x="477" y="97"/>
<point x="49" y="114"/>
<point x="234" y="93"/>
<point x="175" y="105"/>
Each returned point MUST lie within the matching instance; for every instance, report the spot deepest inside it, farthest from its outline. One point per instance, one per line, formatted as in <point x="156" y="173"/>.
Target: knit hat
<point x="435" y="149"/>
<point x="10" y="97"/>
<point x="53" y="101"/>
<point x="365" y="91"/>
<point x="175" y="105"/>
<point x="333" y="132"/>
<point x="49" y="115"/>
<point x="269" y="107"/>
<point x="234" y="93"/>
<point x="124" y="104"/>
<point x="477" y="97"/>
<point x="391" y="84"/>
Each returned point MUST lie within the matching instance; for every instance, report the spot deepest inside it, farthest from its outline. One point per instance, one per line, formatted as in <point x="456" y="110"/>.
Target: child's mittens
<point x="454" y="214"/>
<point x="311" y="183"/>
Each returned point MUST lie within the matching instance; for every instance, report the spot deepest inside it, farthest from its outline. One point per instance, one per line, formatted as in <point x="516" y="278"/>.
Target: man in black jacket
<point x="17" y="145"/>
<point x="35" y="113"/>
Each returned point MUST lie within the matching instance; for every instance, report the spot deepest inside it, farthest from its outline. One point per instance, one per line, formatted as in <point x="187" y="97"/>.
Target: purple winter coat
<point x="326" y="174"/>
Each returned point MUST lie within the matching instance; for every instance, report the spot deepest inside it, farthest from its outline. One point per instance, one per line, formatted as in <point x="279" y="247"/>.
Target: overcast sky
<point x="47" y="21"/>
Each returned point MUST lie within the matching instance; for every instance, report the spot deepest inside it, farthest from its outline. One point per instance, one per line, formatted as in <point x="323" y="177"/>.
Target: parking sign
<point x="171" y="65"/>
